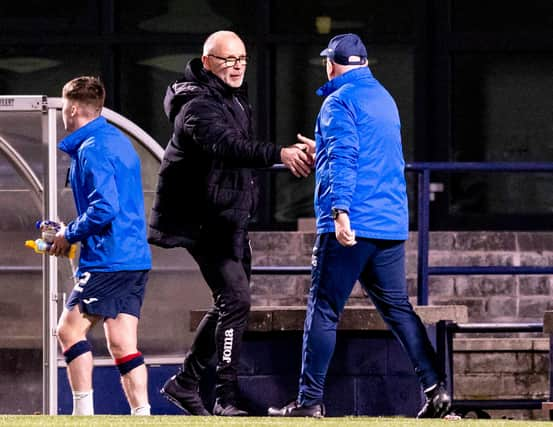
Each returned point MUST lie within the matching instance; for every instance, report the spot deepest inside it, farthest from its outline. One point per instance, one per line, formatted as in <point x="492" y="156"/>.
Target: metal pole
<point x="50" y="277"/>
<point x="423" y="230"/>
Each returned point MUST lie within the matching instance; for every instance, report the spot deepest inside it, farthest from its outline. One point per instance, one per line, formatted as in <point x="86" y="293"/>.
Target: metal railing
<point x="445" y="334"/>
<point x="423" y="214"/>
<point x="449" y="329"/>
<point x="424" y="270"/>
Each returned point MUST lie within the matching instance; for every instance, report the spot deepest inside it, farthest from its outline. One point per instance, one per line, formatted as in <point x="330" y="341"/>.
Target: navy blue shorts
<point x="107" y="294"/>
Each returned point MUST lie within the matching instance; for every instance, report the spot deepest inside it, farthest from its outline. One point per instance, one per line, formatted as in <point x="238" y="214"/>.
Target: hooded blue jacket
<point x="359" y="159"/>
<point x="107" y="188"/>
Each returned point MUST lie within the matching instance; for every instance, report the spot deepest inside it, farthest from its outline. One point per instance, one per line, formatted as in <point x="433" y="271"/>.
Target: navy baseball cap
<point x="346" y="49"/>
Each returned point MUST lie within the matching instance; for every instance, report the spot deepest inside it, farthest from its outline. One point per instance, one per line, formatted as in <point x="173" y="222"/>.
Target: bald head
<point x="221" y="38"/>
<point x="224" y="55"/>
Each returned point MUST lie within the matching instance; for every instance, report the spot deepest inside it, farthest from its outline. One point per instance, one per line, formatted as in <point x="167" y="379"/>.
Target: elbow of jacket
<point x="107" y="215"/>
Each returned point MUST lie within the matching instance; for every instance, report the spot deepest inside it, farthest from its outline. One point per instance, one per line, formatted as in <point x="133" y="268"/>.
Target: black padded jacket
<point x="207" y="189"/>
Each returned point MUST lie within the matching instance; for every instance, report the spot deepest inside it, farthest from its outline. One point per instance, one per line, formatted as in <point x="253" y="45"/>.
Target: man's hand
<point x="308" y="142"/>
<point x="296" y="158"/>
<point x="60" y="245"/>
<point x="344" y="234"/>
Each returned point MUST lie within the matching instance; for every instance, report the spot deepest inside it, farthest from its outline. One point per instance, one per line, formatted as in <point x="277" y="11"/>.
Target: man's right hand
<point x="60" y="245"/>
<point x="344" y="234"/>
<point x="297" y="159"/>
<point x="307" y="141"/>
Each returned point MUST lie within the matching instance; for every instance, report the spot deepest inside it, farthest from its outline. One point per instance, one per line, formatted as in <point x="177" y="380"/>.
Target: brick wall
<point x="488" y="298"/>
<point x="502" y="368"/>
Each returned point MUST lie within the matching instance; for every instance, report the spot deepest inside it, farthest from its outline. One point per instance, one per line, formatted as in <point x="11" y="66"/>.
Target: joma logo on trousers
<point x="227" y="345"/>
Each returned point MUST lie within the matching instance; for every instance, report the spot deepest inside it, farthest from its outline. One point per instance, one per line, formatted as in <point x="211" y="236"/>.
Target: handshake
<point x="300" y="157"/>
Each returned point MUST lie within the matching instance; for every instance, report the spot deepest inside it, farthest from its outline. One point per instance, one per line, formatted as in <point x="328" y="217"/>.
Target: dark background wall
<point x="472" y="81"/>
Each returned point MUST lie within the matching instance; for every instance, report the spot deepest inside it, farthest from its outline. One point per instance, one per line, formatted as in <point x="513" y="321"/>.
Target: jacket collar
<point x="196" y="81"/>
<point x="71" y="143"/>
<point x="196" y="72"/>
<point x="347" y="77"/>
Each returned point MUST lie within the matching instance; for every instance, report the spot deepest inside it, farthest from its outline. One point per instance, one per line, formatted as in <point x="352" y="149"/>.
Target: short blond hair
<point x="86" y="90"/>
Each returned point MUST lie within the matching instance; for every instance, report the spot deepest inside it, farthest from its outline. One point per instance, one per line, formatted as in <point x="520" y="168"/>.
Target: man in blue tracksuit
<point x="362" y="223"/>
<point x="115" y="257"/>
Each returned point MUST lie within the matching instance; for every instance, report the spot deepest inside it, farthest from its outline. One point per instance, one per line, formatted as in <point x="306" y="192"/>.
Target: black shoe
<point x="293" y="409"/>
<point x="224" y="408"/>
<point x="438" y="403"/>
<point x="186" y="398"/>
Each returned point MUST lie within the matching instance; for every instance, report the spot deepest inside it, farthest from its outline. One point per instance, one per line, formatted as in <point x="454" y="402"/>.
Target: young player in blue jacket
<point x="362" y="223"/>
<point x="114" y="258"/>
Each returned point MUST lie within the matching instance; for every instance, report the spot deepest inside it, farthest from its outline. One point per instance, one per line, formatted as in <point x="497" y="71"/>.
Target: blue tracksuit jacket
<point x="107" y="188"/>
<point x="359" y="159"/>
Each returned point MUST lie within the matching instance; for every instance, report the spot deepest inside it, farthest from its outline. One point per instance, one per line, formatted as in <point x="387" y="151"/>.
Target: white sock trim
<point x="141" y="410"/>
<point x="83" y="403"/>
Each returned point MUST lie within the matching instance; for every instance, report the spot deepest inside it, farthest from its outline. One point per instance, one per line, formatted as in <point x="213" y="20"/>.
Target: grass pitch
<point x="183" y="421"/>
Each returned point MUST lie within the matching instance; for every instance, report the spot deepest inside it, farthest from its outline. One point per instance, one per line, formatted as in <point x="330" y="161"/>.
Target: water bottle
<point x="48" y="231"/>
<point x="40" y="246"/>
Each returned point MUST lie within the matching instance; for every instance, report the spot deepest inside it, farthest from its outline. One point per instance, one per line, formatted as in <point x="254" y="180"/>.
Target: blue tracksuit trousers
<point x="379" y="265"/>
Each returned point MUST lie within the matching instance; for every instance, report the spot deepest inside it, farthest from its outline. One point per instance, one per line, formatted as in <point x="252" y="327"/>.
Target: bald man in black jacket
<point x="206" y="194"/>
